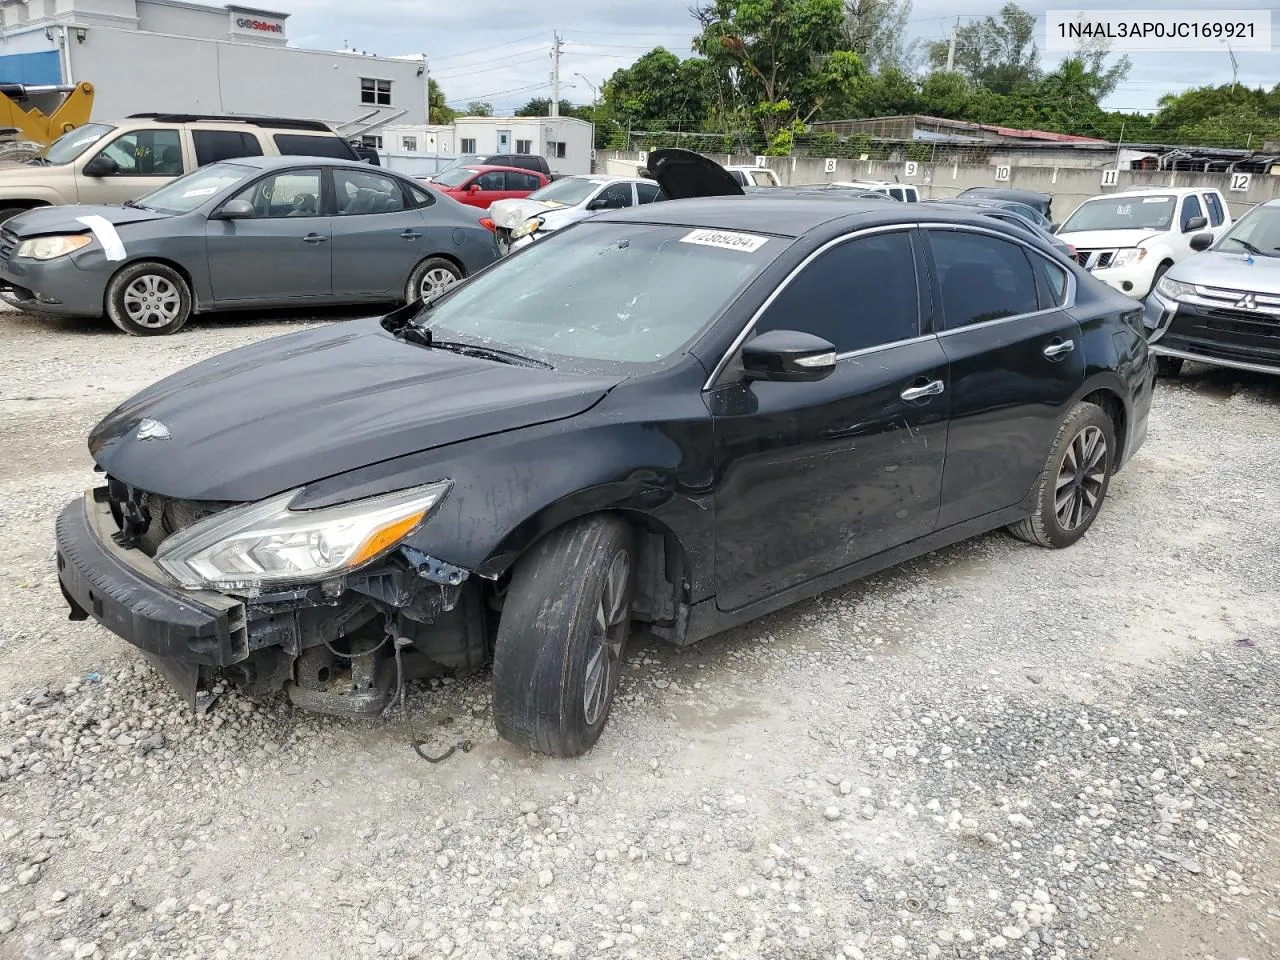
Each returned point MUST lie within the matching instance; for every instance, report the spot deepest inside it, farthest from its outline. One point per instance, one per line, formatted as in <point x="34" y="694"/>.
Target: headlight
<point x="47" y="248"/>
<point x="1174" y="289"/>
<point x="529" y="226"/>
<point x="1125" y="257"/>
<point x="266" y="543"/>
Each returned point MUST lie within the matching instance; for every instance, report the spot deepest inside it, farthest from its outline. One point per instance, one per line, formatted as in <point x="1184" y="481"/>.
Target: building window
<point x="468" y="145"/>
<point x="408" y="143"/>
<point x="377" y="92"/>
<point x="369" y="140"/>
<point x="555" y="149"/>
<point x="524" y="146"/>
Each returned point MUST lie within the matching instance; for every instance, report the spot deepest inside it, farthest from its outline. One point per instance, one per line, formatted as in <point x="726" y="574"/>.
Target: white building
<point x="182" y="57"/>
<point x="566" y="142"/>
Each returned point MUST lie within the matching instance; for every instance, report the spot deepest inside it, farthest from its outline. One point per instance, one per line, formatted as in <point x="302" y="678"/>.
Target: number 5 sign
<point x="1002" y="173"/>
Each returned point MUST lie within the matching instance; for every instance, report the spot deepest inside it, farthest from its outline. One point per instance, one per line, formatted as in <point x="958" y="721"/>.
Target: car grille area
<point x="145" y="520"/>
<point x="1094" y="259"/>
<point x="1225" y="332"/>
<point x="8" y="244"/>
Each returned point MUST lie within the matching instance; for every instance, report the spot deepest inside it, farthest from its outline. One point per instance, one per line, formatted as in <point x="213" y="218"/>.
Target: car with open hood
<point x="687" y="415"/>
<point x="565" y="201"/>
<point x="1222" y="305"/>
<point x="249" y="233"/>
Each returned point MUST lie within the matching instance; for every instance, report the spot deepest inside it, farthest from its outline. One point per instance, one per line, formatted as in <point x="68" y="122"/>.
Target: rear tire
<point x="1168" y="367"/>
<point x="149" y="300"/>
<point x="1070" y="490"/>
<point x="431" y="277"/>
<point x="561" y="638"/>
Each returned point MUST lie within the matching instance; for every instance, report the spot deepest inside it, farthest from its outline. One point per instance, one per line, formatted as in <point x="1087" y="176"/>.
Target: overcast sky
<point x="499" y="50"/>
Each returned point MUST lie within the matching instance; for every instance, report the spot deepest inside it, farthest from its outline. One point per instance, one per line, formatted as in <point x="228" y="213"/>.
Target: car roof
<point x="487" y="167"/>
<point x="1149" y="191"/>
<point x="788" y="217"/>
<point x="271" y="163"/>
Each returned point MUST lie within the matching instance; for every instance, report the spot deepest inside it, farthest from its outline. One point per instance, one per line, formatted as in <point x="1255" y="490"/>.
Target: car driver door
<point x="815" y="476"/>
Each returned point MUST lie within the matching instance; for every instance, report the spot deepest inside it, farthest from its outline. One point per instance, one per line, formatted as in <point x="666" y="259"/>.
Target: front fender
<point x="511" y="489"/>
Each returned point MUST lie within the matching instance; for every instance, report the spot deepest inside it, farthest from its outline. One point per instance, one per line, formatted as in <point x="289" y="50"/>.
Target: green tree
<point x="479" y="108"/>
<point x="658" y="92"/>
<point x="997" y="52"/>
<point x="541" y="107"/>
<point x="765" y="54"/>
<point x="1227" y="116"/>
<point x="438" y="111"/>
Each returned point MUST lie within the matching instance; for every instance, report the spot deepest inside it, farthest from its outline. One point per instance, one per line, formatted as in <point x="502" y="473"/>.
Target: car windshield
<point x="73" y="143"/>
<point x="1258" y="232"/>
<point x="605" y="296"/>
<point x="186" y="193"/>
<point x="461" y="161"/>
<point x="1153" y="212"/>
<point x="454" y="178"/>
<point x="570" y="191"/>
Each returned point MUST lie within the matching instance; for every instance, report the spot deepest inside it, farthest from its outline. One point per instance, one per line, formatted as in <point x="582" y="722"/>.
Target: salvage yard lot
<point x="994" y="751"/>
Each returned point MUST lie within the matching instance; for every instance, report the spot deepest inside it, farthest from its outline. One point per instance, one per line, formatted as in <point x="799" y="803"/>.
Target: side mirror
<point x="1195" y="223"/>
<point x="236" y="210"/>
<point x="1202" y="241"/>
<point x="474" y="188"/>
<point x="788" y="356"/>
<point x="101" y="166"/>
<point x="598" y="204"/>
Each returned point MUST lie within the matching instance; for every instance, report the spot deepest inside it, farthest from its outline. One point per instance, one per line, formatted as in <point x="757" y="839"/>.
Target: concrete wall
<point x="1069" y="187"/>
<point x="135" y="72"/>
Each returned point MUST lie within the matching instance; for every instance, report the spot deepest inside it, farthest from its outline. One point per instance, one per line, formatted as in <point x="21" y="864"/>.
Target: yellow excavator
<point x="25" y="126"/>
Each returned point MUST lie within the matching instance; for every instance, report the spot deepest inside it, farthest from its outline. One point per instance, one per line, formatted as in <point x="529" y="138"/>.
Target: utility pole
<point x="426" y="72"/>
<point x="1234" y="66"/>
<point x="951" y="47"/>
<point x="555" y="75"/>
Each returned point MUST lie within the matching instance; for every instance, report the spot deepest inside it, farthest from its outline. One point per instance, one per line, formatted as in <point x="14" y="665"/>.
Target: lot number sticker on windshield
<point x="726" y="240"/>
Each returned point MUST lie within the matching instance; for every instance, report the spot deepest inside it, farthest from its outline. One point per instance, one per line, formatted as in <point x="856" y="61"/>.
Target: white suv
<point x="1130" y="239"/>
<point x="899" y="191"/>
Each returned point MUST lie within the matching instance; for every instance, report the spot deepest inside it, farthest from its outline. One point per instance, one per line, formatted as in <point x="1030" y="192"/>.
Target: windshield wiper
<point x="1250" y="247"/>
<point x="38" y="161"/>
<point x="489" y="353"/>
<point x="135" y="204"/>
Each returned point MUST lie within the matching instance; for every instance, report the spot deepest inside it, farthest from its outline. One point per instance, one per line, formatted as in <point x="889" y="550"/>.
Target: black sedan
<point x="249" y="233"/>
<point x="674" y="418"/>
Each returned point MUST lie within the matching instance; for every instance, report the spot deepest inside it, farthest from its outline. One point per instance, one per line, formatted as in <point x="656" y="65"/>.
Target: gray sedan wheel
<point x="430" y="278"/>
<point x="148" y="300"/>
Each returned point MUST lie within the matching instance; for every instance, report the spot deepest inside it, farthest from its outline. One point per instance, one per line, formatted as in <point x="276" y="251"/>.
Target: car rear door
<point x="378" y="236"/>
<point x="816" y="476"/>
<point x="283" y="253"/>
<point x="1015" y="362"/>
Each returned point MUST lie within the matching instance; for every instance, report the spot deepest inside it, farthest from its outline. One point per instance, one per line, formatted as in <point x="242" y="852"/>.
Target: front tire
<point x="1074" y="482"/>
<point x="430" y="278"/>
<point x="561" y="638"/>
<point x="149" y="300"/>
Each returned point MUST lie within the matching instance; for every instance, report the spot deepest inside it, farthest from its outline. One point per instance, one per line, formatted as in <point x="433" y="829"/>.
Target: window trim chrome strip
<point x="1068" y="301"/>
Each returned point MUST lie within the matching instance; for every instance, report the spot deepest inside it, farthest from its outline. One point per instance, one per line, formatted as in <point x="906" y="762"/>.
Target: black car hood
<point x="683" y="174"/>
<point x="296" y="409"/>
<point x="46" y="220"/>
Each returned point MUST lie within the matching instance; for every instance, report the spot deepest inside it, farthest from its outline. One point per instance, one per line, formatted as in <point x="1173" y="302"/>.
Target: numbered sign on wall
<point x="644" y="157"/>
<point x="760" y="161"/>
<point x="829" y="165"/>
<point x="910" y="168"/>
<point x="1110" y="178"/>
<point x="1240" y="182"/>
<point x="1002" y="173"/>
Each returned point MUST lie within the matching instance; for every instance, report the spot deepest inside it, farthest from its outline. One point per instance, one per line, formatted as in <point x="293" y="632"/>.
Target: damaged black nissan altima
<point x="673" y="418"/>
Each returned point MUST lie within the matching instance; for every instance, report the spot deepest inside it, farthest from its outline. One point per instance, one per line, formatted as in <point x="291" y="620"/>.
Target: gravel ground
<point x="995" y="751"/>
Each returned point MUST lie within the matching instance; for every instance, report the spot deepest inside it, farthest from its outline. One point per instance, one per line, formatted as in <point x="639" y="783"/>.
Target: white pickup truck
<point x="1128" y="240"/>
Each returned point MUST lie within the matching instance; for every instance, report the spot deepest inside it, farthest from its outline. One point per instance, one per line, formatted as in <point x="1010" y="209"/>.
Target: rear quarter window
<point x="1215" y="209"/>
<point x="213" y="146"/>
<point x="304" y="145"/>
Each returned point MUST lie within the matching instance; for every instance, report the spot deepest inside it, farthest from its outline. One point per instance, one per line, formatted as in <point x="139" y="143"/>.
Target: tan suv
<point x="118" y="162"/>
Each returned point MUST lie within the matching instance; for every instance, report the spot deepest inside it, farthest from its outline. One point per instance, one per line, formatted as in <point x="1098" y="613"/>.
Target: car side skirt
<point x="707" y="620"/>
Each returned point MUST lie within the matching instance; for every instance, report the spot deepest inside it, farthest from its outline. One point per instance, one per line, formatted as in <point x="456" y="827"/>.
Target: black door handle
<point x="314" y="238"/>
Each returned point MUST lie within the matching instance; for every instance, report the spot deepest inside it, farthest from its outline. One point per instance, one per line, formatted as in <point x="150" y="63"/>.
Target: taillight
<point x="488" y="225"/>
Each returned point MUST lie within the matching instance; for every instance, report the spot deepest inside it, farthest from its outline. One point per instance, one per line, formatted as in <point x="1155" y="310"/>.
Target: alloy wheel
<point x="435" y="280"/>
<point x="608" y="631"/>
<point x="1081" y="478"/>
<point x="152" y="301"/>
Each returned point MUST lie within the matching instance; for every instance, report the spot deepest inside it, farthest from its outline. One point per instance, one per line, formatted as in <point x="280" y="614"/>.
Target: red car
<point x="480" y="185"/>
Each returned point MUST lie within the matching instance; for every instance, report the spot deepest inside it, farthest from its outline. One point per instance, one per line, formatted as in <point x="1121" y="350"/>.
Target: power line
<point x="468" y="53"/>
<point x="497" y="66"/>
<point x="499" y="93"/>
